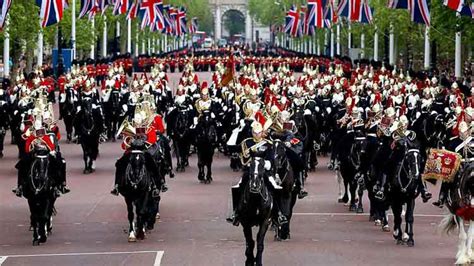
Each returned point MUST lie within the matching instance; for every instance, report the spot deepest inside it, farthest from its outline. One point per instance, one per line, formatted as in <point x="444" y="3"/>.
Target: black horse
<point x="40" y="193"/>
<point x="180" y="122"/>
<point x="255" y="210"/>
<point x="286" y="197"/>
<point x="206" y="141"/>
<point x="88" y="127"/>
<point x="404" y="186"/>
<point x="350" y="161"/>
<point x="68" y="111"/>
<point x="112" y="112"/>
<point x="135" y="184"/>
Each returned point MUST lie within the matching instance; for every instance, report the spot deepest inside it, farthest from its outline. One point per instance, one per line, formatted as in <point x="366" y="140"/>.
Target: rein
<point x="409" y="173"/>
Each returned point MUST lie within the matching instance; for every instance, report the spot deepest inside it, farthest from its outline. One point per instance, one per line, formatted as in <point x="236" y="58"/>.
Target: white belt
<point x="372" y="135"/>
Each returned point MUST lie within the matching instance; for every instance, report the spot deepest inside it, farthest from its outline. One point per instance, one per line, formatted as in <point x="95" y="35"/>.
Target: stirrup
<point x="302" y="194"/>
<point x="114" y="192"/>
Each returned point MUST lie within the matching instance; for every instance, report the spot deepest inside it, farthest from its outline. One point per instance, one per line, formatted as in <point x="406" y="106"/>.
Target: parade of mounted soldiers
<point x="265" y="125"/>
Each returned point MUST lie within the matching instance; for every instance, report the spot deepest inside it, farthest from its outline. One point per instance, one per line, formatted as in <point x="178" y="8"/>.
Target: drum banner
<point x="442" y="165"/>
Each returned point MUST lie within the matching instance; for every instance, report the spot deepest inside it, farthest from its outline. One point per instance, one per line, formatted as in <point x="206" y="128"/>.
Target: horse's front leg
<point x="34" y="221"/>
<point x="470" y="237"/>
<point x="360" y="192"/>
<point x="409" y="219"/>
<point x="260" y="242"/>
<point x="397" y="222"/>
<point x="249" y="245"/>
<point x="353" y="191"/>
<point x="131" y="230"/>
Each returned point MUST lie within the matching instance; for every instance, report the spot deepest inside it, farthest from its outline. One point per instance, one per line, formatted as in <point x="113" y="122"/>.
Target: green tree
<point x="234" y="22"/>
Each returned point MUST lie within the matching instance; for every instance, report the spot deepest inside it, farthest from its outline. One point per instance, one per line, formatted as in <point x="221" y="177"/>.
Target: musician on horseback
<point x="461" y="143"/>
<point x="137" y="129"/>
<point x="285" y="130"/>
<point x="43" y="132"/>
<point x="257" y="146"/>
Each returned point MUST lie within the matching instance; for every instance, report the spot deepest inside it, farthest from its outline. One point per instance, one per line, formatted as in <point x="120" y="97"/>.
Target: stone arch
<point x="220" y="7"/>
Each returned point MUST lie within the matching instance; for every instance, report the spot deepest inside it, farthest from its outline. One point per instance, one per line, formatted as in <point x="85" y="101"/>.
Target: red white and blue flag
<point x="468" y="11"/>
<point x="315" y="13"/>
<point x="133" y="10"/>
<point x="344" y="8"/>
<point x="51" y="11"/>
<point x="366" y="16"/>
<point x="86" y="7"/>
<point x="5" y="5"/>
<point x="420" y="12"/>
<point x="181" y="22"/>
<point x="292" y="21"/>
<point x="103" y="4"/>
<point x="398" y="4"/>
<point x="150" y="12"/>
<point x="355" y="10"/>
<point x="193" y="27"/>
<point x="121" y="7"/>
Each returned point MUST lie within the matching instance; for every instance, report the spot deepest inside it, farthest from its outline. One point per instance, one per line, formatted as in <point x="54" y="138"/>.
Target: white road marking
<point x="3" y="259"/>
<point x="355" y="214"/>
<point x="159" y="256"/>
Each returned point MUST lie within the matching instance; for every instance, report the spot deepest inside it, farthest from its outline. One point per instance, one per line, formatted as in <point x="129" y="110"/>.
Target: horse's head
<point x="358" y="148"/>
<point x="181" y="124"/>
<point x="39" y="171"/>
<point x="136" y="170"/>
<point x="256" y="172"/>
<point x="407" y="153"/>
<point x="280" y="154"/>
<point x="115" y="99"/>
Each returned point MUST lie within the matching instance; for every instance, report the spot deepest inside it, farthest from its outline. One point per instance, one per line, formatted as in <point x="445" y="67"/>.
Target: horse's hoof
<point x="400" y="242"/>
<point x="340" y="200"/>
<point x="345" y="199"/>
<point x="360" y="210"/>
<point x="411" y="242"/>
<point x="405" y="237"/>
<point x="352" y="208"/>
<point x="43" y="239"/>
<point x="36" y="242"/>
<point x="132" y="239"/>
<point x="371" y="218"/>
<point x="141" y="235"/>
<point x="150" y="227"/>
<point x="377" y="222"/>
<point x="386" y="228"/>
<point x="157" y="217"/>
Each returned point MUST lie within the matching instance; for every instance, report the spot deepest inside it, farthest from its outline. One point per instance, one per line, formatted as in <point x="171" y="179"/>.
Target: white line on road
<point x="354" y="214"/>
<point x="85" y="254"/>
<point x="3" y="259"/>
<point x="159" y="256"/>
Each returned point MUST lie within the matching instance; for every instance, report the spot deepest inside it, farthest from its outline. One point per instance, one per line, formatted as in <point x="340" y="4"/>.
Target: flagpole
<point x="166" y="43"/>
<point x="136" y="42"/>
<point x="92" y="54"/>
<point x="39" y="61"/>
<point x="104" y="38"/>
<point x="362" y="45"/>
<point x="427" y="48"/>
<point x="73" y="28"/>
<point x="6" y="50"/>
<point x="457" y="54"/>
<point x="318" y="47"/>
<point x="129" y="36"/>
<point x="338" y="39"/>
<point x="376" y="44"/>
<point x="117" y="37"/>
<point x="349" y="37"/>
<point x="391" y="53"/>
<point x="149" y="44"/>
<point x="143" y="45"/>
<point x="332" y="42"/>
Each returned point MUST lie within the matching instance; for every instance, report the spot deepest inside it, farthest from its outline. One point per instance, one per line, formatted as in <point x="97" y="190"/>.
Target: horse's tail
<point x="448" y="224"/>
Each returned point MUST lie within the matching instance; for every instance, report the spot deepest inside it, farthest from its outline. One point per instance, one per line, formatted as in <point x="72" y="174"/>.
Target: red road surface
<point x="89" y="227"/>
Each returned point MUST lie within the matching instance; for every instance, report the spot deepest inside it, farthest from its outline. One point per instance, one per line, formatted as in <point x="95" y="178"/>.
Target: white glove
<point x="53" y="153"/>
<point x="328" y="110"/>
<point x="212" y="115"/>
<point x="224" y="108"/>
<point x="62" y="97"/>
<point x="268" y="165"/>
<point x="94" y="106"/>
<point x="125" y="108"/>
<point x="446" y="110"/>
<point x="242" y="122"/>
<point x="78" y="109"/>
<point x="287" y="144"/>
<point x="307" y="112"/>
<point x="195" y="121"/>
<point x="317" y="109"/>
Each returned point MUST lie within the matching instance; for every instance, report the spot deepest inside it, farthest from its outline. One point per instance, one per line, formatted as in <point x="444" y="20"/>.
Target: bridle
<point x="411" y="176"/>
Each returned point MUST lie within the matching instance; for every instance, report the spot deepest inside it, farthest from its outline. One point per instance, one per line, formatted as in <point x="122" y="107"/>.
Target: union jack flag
<point x="150" y="12"/>
<point x="366" y="13"/>
<point x="315" y="13"/>
<point x="133" y="10"/>
<point x="86" y="7"/>
<point x="468" y="11"/>
<point x="330" y="15"/>
<point x="292" y="21"/>
<point x="398" y="4"/>
<point x="193" y="27"/>
<point x="181" y="22"/>
<point x="51" y="11"/>
<point x="355" y="10"/>
<point x="121" y="7"/>
<point x="5" y="4"/>
<point x="420" y="12"/>
<point x="168" y="26"/>
<point x="344" y="8"/>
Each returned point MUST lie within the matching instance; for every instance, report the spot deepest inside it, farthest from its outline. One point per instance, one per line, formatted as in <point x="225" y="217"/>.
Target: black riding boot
<point x="120" y="169"/>
<point x="443" y="193"/>
<point x="234" y="217"/>
<point x="425" y="194"/>
<point x="300" y="185"/>
<point x="21" y="166"/>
